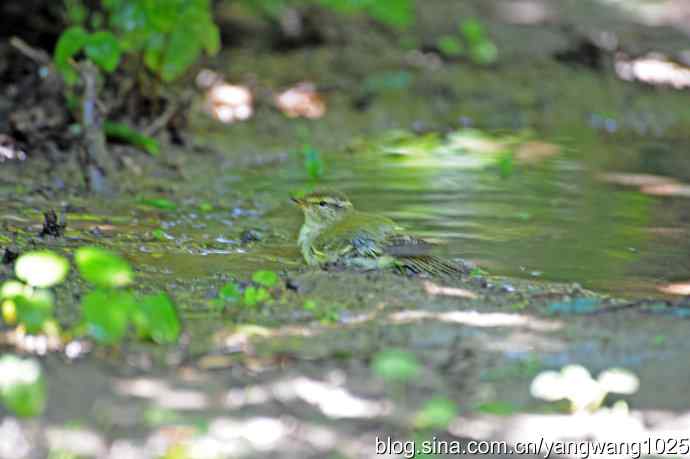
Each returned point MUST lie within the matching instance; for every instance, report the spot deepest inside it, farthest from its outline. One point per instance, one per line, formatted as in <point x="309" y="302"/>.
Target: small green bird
<point x="335" y="233"/>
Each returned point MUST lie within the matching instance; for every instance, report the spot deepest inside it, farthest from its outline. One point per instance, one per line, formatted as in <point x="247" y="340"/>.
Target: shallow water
<point x="555" y="220"/>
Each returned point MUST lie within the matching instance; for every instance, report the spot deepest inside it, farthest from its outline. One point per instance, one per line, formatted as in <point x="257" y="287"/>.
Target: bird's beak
<point x="298" y="201"/>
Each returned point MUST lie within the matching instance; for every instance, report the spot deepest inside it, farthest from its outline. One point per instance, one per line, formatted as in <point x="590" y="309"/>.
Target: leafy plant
<point x="103" y="268"/>
<point x="107" y="311"/>
<point x="31" y="303"/>
<point x="437" y="412"/>
<point x="120" y="131"/>
<point x="167" y="35"/>
<point x="313" y="163"/>
<point x="396" y="13"/>
<point x="478" y="272"/>
<point x="159" y="203"/>
<point x="396" y="365"/>
<point x="41" y="269"/>
<point x="100" y="47"/>
<point x="170" y="35"/>
<point x="325" y="314"/>
<point x="22" y="387"/>
<point x="255" y="295"/>
<point x="252" y="295"/>
<point x="230" y="292"/>
<point x="265" y="278"/>
<point x="471" y="40"/>
<point x="156" y="318"/>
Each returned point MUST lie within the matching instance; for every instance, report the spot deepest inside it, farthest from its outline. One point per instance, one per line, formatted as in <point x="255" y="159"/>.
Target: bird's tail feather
<point x="431" y="265"/>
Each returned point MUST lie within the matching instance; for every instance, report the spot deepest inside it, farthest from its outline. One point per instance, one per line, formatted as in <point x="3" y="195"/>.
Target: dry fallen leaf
<point x="301" y="101"/>
<point x="229" y="103"/>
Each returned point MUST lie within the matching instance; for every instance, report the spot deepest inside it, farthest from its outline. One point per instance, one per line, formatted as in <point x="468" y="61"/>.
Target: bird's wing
<point x="403" y="245"/>
<point x="371" y="236"/>
<point x="414" y="255"/>
<point x="361" y="235"/>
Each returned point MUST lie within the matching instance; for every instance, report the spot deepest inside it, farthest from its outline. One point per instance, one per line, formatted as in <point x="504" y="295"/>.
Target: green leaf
<point x="265" y="278"/>
<point x="312" y="162"/>
<point x="102" y="48"/>
<point x="182" y="51"/>
<point x="106" y="314"/>
<point x="211" y="39"/>
<point x="396" y="365"/>
<point x="132" y="22"/>
<point x="506" y="165"/>
<point x="473" y="31"/>
<point x="450" y="45"/>
<point x="485" y="53"/>
<point x="396" y="13"/>
<point x="11" y="289"/>
<point x="71" y="41"/>
<point x="437" y="413"/>
<point x="34" y="308"/>
<point x="76" y="12"/>
<point x="159" y="234"/>
<point x="156" y="317"/>
<point x="230" y="292"/>
<point x="122" y="132"/>
<point x="206" y="206"/>
<point x="499" y="408"/>
<point x="41" y="268"/>
<point x="159" y="203"/>
<point x="103" y="268"/>
<point x="254" y="296"/>
<point x="478" y="272"/>
<point x="153" y="54"/>
<point x="22" y="387"/>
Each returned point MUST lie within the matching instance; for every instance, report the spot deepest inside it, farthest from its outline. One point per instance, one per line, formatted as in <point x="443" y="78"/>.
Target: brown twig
<point x="100" y="165"/>
<point x="37" y="55"/>
<point x="170" y="111"/>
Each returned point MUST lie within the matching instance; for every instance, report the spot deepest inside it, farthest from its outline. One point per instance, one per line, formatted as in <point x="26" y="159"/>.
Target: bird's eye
<point x="323" y="203"/>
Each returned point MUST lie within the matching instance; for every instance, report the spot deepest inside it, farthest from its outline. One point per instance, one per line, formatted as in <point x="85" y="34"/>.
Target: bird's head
<point x="323" y="208"/>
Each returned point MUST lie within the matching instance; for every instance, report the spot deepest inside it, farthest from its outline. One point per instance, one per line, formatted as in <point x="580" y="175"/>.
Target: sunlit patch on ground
<point x="435" y="289"/>
<point x="575" y="384"/>
<point x="478" y="319"/>
<point x="9" y="149"/>
<point x="678" y="288"/>
<point x="668" y="189"/>
<point x="525" y="12"/>
<point x="163" y="394"/>
<point x="655" y="70"/>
